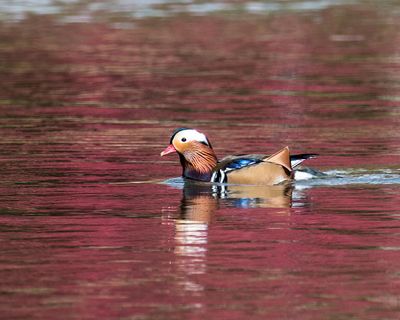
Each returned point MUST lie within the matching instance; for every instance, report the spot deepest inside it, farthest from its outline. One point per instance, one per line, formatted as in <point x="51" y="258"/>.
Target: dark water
<point x="90" y="92"/>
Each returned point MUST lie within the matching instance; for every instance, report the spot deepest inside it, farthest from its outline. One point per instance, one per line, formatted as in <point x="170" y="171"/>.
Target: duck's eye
<point x="183" y="139"/>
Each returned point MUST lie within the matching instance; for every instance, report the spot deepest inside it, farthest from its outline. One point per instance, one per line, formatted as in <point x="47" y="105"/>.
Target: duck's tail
<point x="296" y="159"/>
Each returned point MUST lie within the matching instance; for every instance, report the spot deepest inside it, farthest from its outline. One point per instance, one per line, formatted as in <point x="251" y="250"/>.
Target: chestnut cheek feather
<point x="201" y="158"/>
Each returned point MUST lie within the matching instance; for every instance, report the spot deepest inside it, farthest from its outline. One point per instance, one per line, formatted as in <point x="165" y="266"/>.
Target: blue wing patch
<point x="240" y="163"/>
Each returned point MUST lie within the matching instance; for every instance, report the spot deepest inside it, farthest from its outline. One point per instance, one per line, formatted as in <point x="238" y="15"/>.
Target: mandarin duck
<point x="199" y="162"/>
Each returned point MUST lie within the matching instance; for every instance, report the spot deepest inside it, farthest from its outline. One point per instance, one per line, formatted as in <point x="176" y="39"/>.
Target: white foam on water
<point x="340" y="177"/>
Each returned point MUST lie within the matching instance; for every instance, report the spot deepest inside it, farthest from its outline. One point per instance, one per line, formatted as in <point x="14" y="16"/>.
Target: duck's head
<point x="195" y="152"/>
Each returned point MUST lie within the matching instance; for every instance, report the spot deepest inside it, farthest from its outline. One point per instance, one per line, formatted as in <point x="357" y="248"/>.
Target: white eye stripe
<point x="191" y="135"/>
<point x="195" y="135"/>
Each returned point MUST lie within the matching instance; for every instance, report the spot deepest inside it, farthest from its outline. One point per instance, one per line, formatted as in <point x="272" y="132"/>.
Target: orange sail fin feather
<point x="282" y="158"/>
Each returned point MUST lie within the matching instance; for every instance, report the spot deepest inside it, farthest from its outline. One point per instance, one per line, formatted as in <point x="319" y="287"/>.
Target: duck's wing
<point x="230" y="158"/>
<point x="295" y="159"/>
<point x="231" y="163"/>
<point x="254" y="169"/>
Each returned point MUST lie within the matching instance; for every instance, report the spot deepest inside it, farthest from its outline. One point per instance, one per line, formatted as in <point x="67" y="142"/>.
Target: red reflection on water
<point x="335" y="256"/>
<point x="85" y="111"/>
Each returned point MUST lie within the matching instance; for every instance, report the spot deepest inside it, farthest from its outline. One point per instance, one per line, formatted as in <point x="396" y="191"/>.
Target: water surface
<point x="93" y="227"/>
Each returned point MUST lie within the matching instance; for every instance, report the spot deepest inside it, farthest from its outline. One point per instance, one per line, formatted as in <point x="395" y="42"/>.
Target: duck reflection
<point x="199" y="203"/>
<point x="191" y="252"/>
<point x="191" y="236"/>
